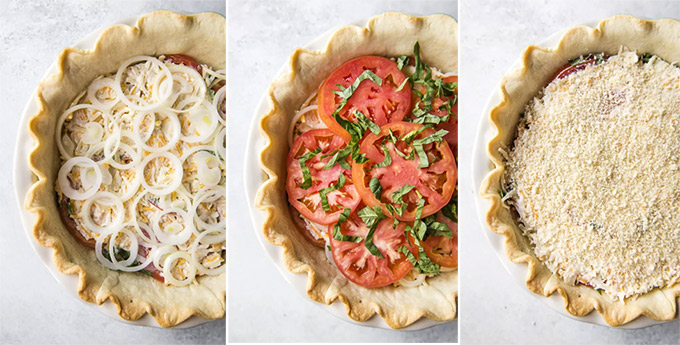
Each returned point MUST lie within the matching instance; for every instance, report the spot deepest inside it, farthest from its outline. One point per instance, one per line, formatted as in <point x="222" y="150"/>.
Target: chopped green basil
<point x="399" y="194"/>
<point x="376" y="187"/>
<point x="306" y="175"/>
<point x="366" y="123"/>
<point x="387" y="161"/>
<point x="337" y="234"/>
<point x="323" y="192"/>
<point x="402" y="61"/>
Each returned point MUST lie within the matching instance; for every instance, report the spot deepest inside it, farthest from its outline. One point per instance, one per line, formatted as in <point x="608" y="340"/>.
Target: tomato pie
<point x="585" y="185"/>
<point x="132" y="147"/>
<point x="367" y="202"/>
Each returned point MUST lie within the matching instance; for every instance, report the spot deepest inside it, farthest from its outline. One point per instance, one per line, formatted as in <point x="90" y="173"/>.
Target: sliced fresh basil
<point x="306" y="175"/>
<point x="371" y="216"/>
<point x="393" y="210"/>
<point x="366" y="123"/>
<point x="451" y="209"/>
<point x="402" y="61"/>
<point x="401" y="87"/>
<point x="422" y="156"/>
<point x="368" y="243"/>
<point x="376" y="187"/>
<point x="408" y="137"/>
<point x="337" y="234"/>
<point x="391" y="137"/>
<point x="346" y="93"/>
<point x="323" y="192"/>
<point x="431" y="119"/>
<point x="435" y="228"/>
<point x="386" y="161"/>
<point x="425" y="265"/>
<point x="404" y="250"/>
<point x="399" y="194"/>
<point x="432" y="138"/>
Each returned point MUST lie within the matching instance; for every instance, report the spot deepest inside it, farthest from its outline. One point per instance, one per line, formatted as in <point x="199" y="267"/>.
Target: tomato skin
<point x="435" y="183"/>
<point x="569" y="68"/>
<point x="442" y="250"/>
<point x="307" y="201"/>
<point x="180" y="59"/>
<point x="70" y="224"/>
<point x="381" y="104"/>
<point x="363" y="268"/>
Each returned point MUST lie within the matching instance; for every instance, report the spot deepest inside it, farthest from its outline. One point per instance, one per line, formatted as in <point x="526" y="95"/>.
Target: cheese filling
<point x="594" y="175"/>
<point x="143" y="168"/>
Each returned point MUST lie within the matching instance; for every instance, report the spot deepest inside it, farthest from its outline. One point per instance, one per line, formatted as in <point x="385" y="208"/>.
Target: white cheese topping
<point x="594" y="175"/>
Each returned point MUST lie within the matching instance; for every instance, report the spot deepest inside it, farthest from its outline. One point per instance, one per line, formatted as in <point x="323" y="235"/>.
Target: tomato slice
<point x="180" y="59"/>
<point x="308" y="201"/>
<point x="569" y="68"/>
<point x="382" y="104"/>
<point x="442" y="250"/>
<point x="436" y="183"/>
<point x="361" y="267"/>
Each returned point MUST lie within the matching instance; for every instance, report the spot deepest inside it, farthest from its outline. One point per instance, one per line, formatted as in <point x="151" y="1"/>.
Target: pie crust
<point x="539" y="66"/>
<point x="201" y="36"/>
<point x="390" y="35"/>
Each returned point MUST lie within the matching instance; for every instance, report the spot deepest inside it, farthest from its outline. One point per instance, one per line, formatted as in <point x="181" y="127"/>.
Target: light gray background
<point x="34" y="308"/>
<point x="262" y="306"/>
<point x="493" y="308"/>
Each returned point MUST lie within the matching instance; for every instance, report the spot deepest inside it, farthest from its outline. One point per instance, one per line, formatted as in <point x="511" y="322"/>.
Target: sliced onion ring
<point x="65" y="185"/>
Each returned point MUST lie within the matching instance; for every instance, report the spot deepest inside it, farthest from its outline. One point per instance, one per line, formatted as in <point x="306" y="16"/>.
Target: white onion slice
<point x="167" y="269"/>
<point x="62" y="119"/>
<point x="219" y="103"/>
<point x="93" y="133"/>
<point x="176" y="177"/>
<point x="65" y="185"/>
<point x="137" y="135"/>
<point x="220" y="145"/>
<point x="203" y="124"/>
<point x="209" y="194"/>
<point x="216" y="236"/>
<point x="172" y="238"/>
<point x="113" y="200"/>
<point x="160" y="253"/>
<point x="407" y="282"/>
<point x="148" y="106"/>
<point x="98" y="85"/>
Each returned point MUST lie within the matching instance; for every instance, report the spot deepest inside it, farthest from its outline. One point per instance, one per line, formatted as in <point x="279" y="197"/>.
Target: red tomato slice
<point x="363" y="268"/>
<point x="569" y="68"/>
<point x="179" y="59"/>
<point x="381" y="104"/>
<point x="151" y="269"/>
<point x="435" y="183"/>
<point x="308" y="201"/>
<point x="442" y="250"/>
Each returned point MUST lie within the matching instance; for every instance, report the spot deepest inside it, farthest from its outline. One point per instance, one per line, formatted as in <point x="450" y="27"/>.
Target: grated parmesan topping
<point x="594" y="175"/>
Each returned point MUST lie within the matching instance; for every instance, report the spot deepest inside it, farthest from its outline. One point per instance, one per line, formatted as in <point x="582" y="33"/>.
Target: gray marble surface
<point x="263" y="307"/>
<point x="34" y="308"/>
<point x="493" y="308"/>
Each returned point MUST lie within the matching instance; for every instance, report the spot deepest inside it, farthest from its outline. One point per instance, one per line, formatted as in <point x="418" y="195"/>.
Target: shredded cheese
<point x="594" y="175"/>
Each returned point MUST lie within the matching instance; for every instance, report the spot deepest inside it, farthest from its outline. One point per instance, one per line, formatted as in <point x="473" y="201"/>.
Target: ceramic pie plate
<point x="23" y="179"/>
<point x="252" y="176"/>
<point x="480" y="168"/>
